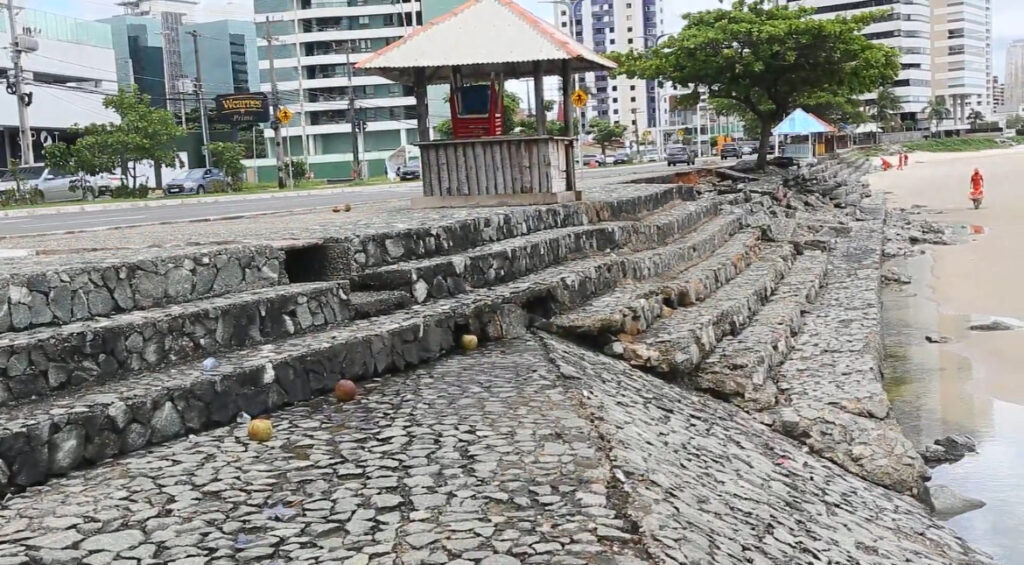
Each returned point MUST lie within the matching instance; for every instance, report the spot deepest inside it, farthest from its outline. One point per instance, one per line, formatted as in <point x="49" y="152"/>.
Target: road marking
<point x="12" y="221"/>
<point x="92" y="220"/>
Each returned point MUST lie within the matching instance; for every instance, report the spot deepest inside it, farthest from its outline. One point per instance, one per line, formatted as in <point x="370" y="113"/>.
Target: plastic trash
<point x="210" y="364"/>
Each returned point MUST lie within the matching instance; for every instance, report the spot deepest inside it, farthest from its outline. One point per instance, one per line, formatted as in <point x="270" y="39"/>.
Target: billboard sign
<point x="245" y="108"/>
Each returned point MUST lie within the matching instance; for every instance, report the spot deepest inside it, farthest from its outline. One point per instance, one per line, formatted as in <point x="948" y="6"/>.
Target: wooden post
<point x="538" y="97"/>
<point x="420" y="91"/>
<point x="567" y="107"/>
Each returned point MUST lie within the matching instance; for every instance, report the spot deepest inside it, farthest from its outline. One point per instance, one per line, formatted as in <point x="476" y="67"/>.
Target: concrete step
<point x="676" y="345"/>
<point x="634" y="306"/>
<point x="741" y="368"/>
<point x="47" y="359"/>
<point x="104" y="418"/>
<point x="505" y="261"/>
<point x="50" y="291"/>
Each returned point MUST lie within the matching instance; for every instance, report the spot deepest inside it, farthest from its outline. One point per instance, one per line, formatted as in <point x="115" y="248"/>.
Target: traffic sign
<point x="579" y="98"/>
<point x="680" y="133"/>
<point x="284" y="115"/>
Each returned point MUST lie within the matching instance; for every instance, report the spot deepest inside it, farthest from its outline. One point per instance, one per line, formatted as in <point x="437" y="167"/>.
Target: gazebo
<point x="800" y="122"/>
<point x="474" y="49"/>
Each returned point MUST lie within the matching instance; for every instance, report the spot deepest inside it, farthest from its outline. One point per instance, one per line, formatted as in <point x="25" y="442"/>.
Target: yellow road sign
<point x="680" y="133"/>
<point x="579" y="98"/>
<point x="284" y="115"/>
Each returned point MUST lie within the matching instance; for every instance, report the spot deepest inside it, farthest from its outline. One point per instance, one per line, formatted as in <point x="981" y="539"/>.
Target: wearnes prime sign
<point x="247" y="108"/>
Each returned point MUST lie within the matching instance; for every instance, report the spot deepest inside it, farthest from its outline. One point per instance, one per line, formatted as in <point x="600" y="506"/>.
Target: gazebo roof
<point x="482" y="37"/>
<point x="802" y="122"/>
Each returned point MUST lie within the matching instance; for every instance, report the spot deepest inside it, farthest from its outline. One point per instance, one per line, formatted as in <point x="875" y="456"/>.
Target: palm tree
<point x="886" y="107"/>
<point x="974" y="117"/>
<point x="937" y="111"/>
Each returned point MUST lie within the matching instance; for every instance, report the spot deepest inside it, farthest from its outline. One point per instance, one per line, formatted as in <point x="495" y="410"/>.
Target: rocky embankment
<point x="667" y="375"/>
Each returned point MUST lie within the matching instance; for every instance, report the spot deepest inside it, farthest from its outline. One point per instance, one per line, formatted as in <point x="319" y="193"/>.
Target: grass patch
<point x="953" y="144"/>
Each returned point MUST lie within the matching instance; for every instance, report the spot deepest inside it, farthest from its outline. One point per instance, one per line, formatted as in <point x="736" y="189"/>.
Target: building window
<point x="369" y="90"/>
<point x="389" y="19"/>
<point x="364" y="20"/>
<point x="615" y="112"/>
<point x="632" y="87"/>
<point x="615" y="100"/>
<point x="563" y="13"/>
<point x="611" y="42"/>
<point x="629" y="18"/>
<point x="394" y="88"/>
<point x="615" y="89"/>
<point x="564" y="24"/>
<point x="632" y="98"/>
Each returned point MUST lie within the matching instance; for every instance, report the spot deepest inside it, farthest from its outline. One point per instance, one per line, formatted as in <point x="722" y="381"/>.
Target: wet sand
<point x="975" y="383"/>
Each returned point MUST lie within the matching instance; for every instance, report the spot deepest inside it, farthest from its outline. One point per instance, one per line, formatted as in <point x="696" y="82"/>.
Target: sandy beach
<point x="975" y="383"/>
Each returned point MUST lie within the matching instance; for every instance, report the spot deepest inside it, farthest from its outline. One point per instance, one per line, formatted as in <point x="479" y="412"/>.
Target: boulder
<point x="949" y="503"/>
<point x="994" y="326"/>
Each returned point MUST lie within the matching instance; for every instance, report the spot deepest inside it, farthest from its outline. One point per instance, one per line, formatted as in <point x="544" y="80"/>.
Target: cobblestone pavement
<point x="553" y="454"/>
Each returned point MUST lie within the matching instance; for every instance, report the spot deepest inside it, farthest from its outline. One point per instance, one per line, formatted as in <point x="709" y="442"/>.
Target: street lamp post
<point x="654" y="39"/>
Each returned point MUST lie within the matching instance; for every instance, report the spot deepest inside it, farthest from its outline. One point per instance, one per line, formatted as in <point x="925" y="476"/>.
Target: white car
<point x="54" y="185"/>
<point x="651" y="156"/>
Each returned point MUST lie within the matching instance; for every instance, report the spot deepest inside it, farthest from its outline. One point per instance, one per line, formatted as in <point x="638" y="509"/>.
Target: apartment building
<point x="315" y="45"/>
<point x="1015" y="75"/>
<point x="998" y="93"/>
<point x="907" y="28"/>
<point x="962" y="56"/>
<point x="67" y="78"/>
<point x="616" y="25"/>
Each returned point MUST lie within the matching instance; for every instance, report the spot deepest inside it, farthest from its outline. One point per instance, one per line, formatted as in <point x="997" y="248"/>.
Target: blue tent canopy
<point x="801" y="123"/>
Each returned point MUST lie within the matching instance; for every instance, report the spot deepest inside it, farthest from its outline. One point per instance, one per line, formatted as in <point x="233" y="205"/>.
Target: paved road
<point x="98" y="219"/>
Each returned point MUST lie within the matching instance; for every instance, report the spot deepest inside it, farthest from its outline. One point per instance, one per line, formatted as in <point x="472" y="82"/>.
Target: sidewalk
<point x="174" y="201"/>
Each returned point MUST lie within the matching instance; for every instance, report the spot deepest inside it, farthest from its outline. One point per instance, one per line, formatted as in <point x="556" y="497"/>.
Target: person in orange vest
<point x="899" y="161"/>
<point x="886" y="165"/>
<point x="977" y="185"/>
<point x="906" y="159"/>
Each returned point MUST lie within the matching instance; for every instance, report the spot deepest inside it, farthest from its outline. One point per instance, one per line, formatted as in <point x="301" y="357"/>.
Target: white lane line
<point x="91" y="220"/>
<point x="12" y="221"/>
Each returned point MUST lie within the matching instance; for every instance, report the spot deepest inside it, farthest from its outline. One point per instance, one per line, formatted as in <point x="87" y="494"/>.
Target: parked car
<point x="409" y="171"/>
<point x="621" y="158"/>
<point x="747" y="150"/>
<point x="105" y="183"/>
<point x="679" y="155"/>
<point x="196" y="181"/>
<point x="651" y="156"/>
<point x="730" y="150"/>
<point x="589" y="158"/>
<point x="54" y="185"/>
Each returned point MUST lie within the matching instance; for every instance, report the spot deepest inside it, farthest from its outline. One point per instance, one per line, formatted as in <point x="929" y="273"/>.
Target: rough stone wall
<point x="64" y="293"/>
<point x="45" y="360"/>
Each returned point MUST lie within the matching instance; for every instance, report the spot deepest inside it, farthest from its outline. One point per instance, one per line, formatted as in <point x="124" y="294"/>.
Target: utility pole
<point x="275" y="100"/>
<point x="23" y="99"/>
<point x="636" y="131"/>
<point x="203" y="118"/>
<point x="357" y="164"/>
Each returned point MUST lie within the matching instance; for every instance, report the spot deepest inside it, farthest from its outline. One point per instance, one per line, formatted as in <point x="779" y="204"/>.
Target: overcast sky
<point x="1008" y="15"/>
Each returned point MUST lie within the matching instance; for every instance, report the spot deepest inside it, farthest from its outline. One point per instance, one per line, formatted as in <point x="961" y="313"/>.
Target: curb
<point x="186" y="201"/>
<point x="238" y="216"/>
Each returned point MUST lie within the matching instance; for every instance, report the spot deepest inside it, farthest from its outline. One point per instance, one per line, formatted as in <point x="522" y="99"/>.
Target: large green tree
<point x="767" y="60"/>
<point x="143" y="134"/>
<point x="936" y="111"/>
<point x="606" y="134"/>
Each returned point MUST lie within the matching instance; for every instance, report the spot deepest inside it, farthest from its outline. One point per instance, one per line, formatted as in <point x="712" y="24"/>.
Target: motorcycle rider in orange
<point x="977" y="185"/>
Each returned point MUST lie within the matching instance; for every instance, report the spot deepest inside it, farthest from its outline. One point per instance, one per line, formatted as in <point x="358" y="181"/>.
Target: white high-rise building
<point x="1015" y="75"/>
<point x="616" y="25"/>
<point x="962" y="56"/>
<point x="909" y="29"/>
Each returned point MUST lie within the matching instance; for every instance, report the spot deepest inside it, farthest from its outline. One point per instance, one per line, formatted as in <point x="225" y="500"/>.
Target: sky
<point x="1008" y="15"/>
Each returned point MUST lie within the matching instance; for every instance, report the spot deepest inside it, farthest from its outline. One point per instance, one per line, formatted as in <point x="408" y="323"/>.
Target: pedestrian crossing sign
<point x="284" y="115"/>
<point x="579" y="98"/>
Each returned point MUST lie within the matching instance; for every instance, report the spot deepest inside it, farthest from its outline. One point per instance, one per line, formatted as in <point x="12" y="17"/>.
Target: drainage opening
<point x="307" y="264"/>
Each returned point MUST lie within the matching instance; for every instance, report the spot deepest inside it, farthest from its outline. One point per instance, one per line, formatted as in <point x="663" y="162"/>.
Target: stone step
<point x="505" y="261"/>
<point x="676" y="345"/>
<point x="48" y="359"/>
<point x="741" y="369"/>
<point x="378" y="303"/>
<point x="61" y="290"/>
<point x="471" y="228"/>
<point x="634" y="306"/>
<point x="50" y="436"/>
<point x="831" y="394"/>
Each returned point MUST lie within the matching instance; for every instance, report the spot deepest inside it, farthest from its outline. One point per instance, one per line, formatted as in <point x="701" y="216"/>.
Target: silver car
<point x="55" y="186"/>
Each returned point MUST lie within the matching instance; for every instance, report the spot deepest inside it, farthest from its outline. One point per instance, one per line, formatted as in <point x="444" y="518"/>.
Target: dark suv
<point x="677" y="155"/>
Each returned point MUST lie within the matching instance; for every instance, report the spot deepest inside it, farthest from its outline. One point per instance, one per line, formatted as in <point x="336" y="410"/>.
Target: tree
<point x="143" y="134"/>
<point x="227" y="157"/>
<point x="936" y="111"/>
<point x="1015" y="122"/>
<point x="606" y="134"/>
<point x="764" y="60"/>
<point x="975" y="117"/>
<point x="886" y="107"/>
